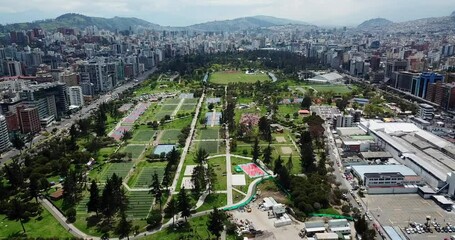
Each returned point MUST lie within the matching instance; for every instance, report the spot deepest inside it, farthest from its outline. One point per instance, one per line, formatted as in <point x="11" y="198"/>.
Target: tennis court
<point x="143" y="135"/>
<point x="118" y="132"/>
<point x="213" y="118"/>
<point x="252" y="170"/>
<point x="163" y="148"/>
<point x="136" y="113"/>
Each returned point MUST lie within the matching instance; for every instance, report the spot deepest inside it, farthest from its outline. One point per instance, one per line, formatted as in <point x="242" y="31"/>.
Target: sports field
<point x="235" y="76"/>
<point x="172" y="101"/>
<point x="143" y="135"/>
<point x="120" y="169"/>
<point x="139" y="204"/>
<point x="135" y="150"/>
<point x="170" y="136"/>
<point x="145" y="177"/>
<point x="210" y="147"/>
<point x="159" y="115"/>
<point x="338" y="89"/>
<point x="209" y="133"/>
<point x="167" y="108"/>
<point x="187" y="107"/>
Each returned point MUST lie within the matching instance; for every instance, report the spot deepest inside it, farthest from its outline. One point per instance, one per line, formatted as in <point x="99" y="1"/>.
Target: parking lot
<point x="261" y="221"/>
<point x="401" y="210"/>
<point x="325" y="112"/>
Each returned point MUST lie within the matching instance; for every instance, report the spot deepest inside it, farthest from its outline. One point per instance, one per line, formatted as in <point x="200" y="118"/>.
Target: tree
<point x="361" y="225"/>
<point x="198" y="178"/>
<point x="278" y="165"/>
<point x="264" y="129"/>
<point x="203" y="121"/>
<point x="183" y="203"/>
<point x="369" y="234"/>
<point x="256" y="150"/>
<point x="215" y="223"/>
<point x="18" y="142"/>
<point x="210" y="175"/>
<point x="93" y="204"/>
<point x="71" y="214"/>
<point x="124" y="227"/>
<point x="289" y="164"/>
<point x="306" y="102"/>
<point x="171" y="209"/>
<point x="341" y="104"/>
<point x="156" y="188"/>
<point x="322" y="170"/>
<point x="154" y="218"/>
<point x="34" y="186"/>
<point x="17" y="210"/>
<point x="346" y="209"/>
<point x="306" y="153"/>
<point x="201" y="156"/>
<point x="267" y="154"/>
<point x="211" y="106"/>
<point x="127" y="135"/>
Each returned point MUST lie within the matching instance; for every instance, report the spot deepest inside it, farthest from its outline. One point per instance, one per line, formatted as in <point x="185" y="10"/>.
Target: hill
<point x="375" y="23"/>
<point x="453" y="14"/>
<point x="244" y="23"/>
<point x="73" y="20"/>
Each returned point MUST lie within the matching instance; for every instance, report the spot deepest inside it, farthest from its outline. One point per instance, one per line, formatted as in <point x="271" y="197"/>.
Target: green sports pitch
<point x="143" y="136"/>
<point x="236" y="77"/>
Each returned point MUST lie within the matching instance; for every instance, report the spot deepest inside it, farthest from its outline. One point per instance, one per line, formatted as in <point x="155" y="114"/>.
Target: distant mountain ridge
<point x="74" y="20"/>
<point x="244" y="23"/>
<point x="375" y="23"/>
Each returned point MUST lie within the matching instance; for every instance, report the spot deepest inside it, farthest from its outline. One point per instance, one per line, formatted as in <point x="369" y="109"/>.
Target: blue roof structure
<point x="166" y="148"/>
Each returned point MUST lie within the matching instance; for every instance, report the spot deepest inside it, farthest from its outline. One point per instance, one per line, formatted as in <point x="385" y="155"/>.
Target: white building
<point x="426" y="111"/>
<point x="4" y="137"/>
<point x="76" y="97"/>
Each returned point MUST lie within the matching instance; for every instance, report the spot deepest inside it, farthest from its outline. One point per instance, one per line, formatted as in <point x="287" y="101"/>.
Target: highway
<point x="83" y="113"/>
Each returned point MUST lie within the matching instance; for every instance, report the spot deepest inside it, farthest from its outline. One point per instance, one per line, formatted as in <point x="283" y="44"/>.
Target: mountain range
<point x="73" y="20"/>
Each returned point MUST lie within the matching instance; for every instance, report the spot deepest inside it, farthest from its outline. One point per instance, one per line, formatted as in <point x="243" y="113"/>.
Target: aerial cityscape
<point x="318" y="120"/>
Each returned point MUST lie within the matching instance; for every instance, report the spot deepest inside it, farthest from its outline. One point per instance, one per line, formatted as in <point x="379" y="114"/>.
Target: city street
<point x="83" y="113"/>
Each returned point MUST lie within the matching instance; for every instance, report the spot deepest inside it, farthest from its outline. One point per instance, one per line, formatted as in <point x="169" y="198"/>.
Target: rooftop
<point x="370" y="155"/>
<point x="361" y="170"/>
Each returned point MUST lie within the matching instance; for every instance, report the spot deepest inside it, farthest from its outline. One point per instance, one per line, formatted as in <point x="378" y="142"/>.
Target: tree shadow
<point x="92" y="221"/>
<point x="17" y="235"/>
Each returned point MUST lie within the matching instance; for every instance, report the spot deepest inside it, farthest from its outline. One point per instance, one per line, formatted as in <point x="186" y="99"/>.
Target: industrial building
<point x="429" y="156"/>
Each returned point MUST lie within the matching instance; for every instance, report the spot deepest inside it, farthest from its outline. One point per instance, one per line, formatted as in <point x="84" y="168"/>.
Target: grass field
<point x="46" y="226"/>
<point x="144" y="178"/>
<point x="213" y="200"/>
<point x="219" y="165"/>
<point x="337" y="89"/>
<point x="209" y="133"/>
<point x="167" y="108"/>
<point x="191" y="100"/>
<point x="139" y="204"/>
<point x="240" y="77"/>
<point x="160" y="114"/>
<point x="135" y="150"/>
<point x="172" y="101"/>
<point x="143" y="136"/>
<point x="120" y="169"/>
<point x="210" y="147"/>
<point x="170" y="136"/>
<point x="187" y="107"/>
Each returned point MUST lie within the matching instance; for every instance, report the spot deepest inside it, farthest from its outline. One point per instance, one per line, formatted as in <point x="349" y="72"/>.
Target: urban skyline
<point x="184" y="12"/>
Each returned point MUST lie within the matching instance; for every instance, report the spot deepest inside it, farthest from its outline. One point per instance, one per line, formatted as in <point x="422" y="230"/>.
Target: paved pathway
<point x="178" y="107"/>
<point x="213" y="118"/>
<point x="228" y="159"/>
<point x="187" y="143"/>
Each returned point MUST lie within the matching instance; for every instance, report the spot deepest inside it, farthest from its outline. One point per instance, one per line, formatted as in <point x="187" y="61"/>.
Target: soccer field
<point x="239" y="77"/>
<point x="170" y="136"/>
<point x="210" y="147"/>
<point x="209" y="133"/>
<point x="139" y="204"/>
<point x="120" y="169"/>
<point x="135" y="150"/>
<point x="145" y="177"/>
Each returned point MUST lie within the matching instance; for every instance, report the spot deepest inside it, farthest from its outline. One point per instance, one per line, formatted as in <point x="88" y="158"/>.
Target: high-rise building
<point x="402" y="80"/>
<point x="4" y="137"/>
<point x="12" y="122"/>
<point x="420" y="83"/>
<point x="12" y="68"/>
<point x="49" y="98"/>
<point x="395" y="66"/>
<point x="97" y="73"/>
<point x="426" y="111"/>
<point x="29" y="120"/>
<point x="76" y="97"/>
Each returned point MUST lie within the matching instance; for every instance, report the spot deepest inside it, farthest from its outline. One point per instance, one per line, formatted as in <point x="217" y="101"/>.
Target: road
<point x="83" y="113"/>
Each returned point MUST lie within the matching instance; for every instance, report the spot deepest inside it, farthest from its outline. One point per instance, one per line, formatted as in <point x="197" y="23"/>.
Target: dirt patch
<point x="286" y="150"/>
<point x="269" y="189"/>
<point x="280" y="139"/>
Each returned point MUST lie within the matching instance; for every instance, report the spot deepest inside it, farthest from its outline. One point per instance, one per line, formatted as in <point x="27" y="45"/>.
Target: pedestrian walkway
<point x="178" y="107"/>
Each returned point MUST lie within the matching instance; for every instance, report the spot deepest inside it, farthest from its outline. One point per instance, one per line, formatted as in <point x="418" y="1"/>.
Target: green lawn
<point x="139" y="204"/>
<point x="209" y="133"/>
<point x="196" y="229"/>
<point x="159" y="115"/>
<point x="135" y="150"/>
<point x="187" y="107"/>
<point x="211" y="147"/>
<point x="120" y="169"/>
<point x="167" y="108"/>
<point x="213" y="200"/>
<point x="144" y="179"/>
<point x="172" y="101"/>
<point x="46" y="226"/>
<point x="191" y="101"/>
<point x="219" y="166"/>
<point x="170" y="136"/>
<point x="239" y="77"/>
<point x="143" y="136"/>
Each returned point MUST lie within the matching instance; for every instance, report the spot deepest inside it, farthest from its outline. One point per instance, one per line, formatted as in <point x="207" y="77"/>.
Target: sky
<point x="187" y="12"/>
